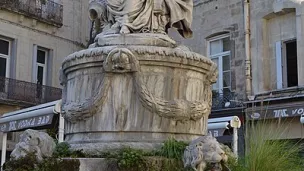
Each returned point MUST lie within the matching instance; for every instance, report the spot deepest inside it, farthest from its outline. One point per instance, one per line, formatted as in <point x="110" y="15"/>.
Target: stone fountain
<point x="134" y="86"/>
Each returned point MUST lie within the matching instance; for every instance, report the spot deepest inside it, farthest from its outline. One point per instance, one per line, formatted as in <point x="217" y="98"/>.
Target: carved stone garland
<point x="122" y="60"/>
<point x="74" y="111"/>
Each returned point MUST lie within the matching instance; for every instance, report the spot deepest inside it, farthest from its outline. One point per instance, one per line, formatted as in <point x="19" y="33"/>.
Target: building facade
<point x="277" y="38"/>
<point x="258" y="48"/>
<point x="35" y="36"/>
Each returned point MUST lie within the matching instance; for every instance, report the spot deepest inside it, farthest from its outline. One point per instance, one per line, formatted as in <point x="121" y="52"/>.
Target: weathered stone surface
<point x="141" y="16"/>
<point x="97" y="164"/>
<point x="134" y="86"/>
<point x="135" y="95"/>
<point x="147" y="39"/>
<point x="32" y="141"/>
<point x="204" y="150"/>
<point x="103" y="164"/>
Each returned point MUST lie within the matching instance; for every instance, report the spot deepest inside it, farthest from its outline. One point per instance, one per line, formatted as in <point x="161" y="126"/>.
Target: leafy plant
<point x="130" y="159"/>
<point x="55" y="164"/>
<point x="172" y="149"/>
<point x="63" y="150"/>
<point x="26" y="163"/>
<point x="30" y="163"/>
<point x="266" y="152"/>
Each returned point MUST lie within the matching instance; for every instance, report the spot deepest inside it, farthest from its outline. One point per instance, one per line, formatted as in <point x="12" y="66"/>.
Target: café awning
<point x="224" y="123"/>
<point x="34" y="117"/>
<point x="217" y="127"/>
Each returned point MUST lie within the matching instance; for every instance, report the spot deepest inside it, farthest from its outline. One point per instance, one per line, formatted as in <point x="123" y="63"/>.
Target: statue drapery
<point x="141" y="16"/>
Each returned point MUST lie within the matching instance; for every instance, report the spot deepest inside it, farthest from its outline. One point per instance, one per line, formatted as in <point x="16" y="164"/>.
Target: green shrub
<point x="264" y="152"/>
<point x="63" y="150"/>
<point x="55" y="164"/>
<point x="30" y="163"/>
<point x="26" y="163"/>
<point x="130" y="159"/>
<point x="172" y="149"/>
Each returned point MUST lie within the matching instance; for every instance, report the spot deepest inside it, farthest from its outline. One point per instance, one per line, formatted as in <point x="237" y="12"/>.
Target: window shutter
<point x="34" y="64"/>
<point x="278" y="55"/>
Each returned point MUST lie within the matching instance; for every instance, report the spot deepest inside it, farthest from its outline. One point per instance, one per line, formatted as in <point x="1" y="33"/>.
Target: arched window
<point x="219" y="52"/>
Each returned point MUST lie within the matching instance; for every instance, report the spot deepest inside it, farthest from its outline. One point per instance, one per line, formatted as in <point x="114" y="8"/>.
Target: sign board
<point x="216" y="132"/>
<point x="275" y="112"/>
<point x="26" y="123"/>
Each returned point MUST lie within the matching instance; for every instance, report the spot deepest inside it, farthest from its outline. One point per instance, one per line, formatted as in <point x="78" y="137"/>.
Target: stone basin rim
<point x="161" y="51"/>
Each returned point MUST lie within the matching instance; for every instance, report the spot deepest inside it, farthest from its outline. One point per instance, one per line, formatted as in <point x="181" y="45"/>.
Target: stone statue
<point x="141" y="16"/>
<point x="32" y="141"/>
<point x="204" y="150"/>
<point x="134" y="86"/>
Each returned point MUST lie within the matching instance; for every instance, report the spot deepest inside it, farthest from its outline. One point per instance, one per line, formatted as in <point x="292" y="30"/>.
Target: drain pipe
<point x="247" y="48"/>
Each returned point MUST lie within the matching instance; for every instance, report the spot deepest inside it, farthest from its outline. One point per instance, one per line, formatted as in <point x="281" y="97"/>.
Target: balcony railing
<point x="26" y="92"/>
<point x="46" y="11"/>
<point x="225" y="100"/>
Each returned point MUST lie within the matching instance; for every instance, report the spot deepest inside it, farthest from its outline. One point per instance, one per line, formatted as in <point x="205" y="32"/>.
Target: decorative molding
<point x="162" y="51"/>
<point x="122" y="60"/>
<point x="179" y="109"/>
<point x="73" y="111"/>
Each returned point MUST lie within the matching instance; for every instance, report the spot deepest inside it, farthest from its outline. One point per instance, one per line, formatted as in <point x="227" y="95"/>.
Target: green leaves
<point x="166" y="158"/>
<point x="130" y="159"/>
<point x="172" y="149"/>
<point x="30" y="163"/>
<point x="63" y="150"/>
<point x="266" y="150"/>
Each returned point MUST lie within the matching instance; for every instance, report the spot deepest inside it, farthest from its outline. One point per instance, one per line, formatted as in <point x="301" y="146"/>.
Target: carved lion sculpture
<point x="32" y="141"/>
<point x="204" y="150"/>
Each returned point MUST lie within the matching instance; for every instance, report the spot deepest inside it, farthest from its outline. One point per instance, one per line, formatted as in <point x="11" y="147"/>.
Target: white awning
<point x="36" y="116"/>
<point x="224" y="123"/>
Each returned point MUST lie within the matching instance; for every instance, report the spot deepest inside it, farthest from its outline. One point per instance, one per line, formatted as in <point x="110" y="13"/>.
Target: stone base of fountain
<point x="135" y="90"/>
<point x="95" y="164"/>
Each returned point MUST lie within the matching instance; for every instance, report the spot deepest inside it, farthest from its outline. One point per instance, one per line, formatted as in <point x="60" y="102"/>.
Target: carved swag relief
<point x="139" y="17"/>
<point x="122" y="60"/>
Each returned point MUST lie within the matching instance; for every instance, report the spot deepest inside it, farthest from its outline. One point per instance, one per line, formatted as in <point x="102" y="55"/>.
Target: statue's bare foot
<point x="124" y="30"/>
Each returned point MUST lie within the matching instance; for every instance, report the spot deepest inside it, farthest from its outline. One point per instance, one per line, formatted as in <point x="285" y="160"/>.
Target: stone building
<point x="35" y="36"/>
<point x="277" y="39"/>
<point x="258" y="48"/>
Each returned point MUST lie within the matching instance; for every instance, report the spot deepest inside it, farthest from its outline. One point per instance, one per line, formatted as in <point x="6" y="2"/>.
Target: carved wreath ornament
<point x="122" y="60"/>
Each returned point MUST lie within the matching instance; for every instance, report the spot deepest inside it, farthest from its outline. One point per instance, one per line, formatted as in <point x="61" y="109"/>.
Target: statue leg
<point x="124" y="29"/>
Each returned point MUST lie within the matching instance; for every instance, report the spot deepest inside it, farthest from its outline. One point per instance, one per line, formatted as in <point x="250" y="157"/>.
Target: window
<point x="5" y="48"/>
<point x="219" y="52"/>
<point x="40" y="76"/>
<point x="4" y="57"/>
<point x="287" y="65"/>
<point x="10" y="136"/>
<point x="41" y="66"/>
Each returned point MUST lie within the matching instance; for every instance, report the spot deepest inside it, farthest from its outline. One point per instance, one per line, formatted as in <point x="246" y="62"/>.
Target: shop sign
<point x="216" y="132"/>
<point x="279" y="112"/>
<point x="26" y="123"/>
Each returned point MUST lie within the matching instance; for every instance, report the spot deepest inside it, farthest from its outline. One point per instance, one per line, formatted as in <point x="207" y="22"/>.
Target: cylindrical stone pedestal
<point x="139" y="95"/>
